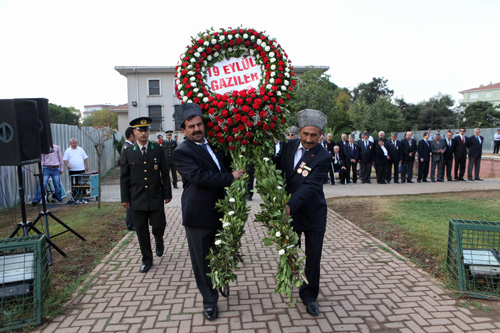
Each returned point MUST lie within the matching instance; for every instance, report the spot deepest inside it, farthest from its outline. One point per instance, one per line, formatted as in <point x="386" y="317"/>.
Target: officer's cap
<point x="141" y="123"/>
<point x="169" y="132"/>
<point x="185" y="111"/>
<point x="309" y="117"/>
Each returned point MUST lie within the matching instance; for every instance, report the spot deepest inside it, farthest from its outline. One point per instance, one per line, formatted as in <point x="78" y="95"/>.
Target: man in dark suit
<point x="475" y="145"/>
<point x="338" y="162"/>
<point x="438" y="148"/>
<point x="304" y="163"/>
<point x="351" y="156"/>
<point x="129" y="141"/>
<point x="329" y="144"/>
<point x="460" y="151"/>
<point x="144" y="187"/>
<point x="393" y="146"/>
<point x="366" y="155"/>
<point x="424" y="156"/>
<point x="448" y="156"/>
<point x="204" y="177"/>
<point x="343" y="143"/>
<point x="169" y="145"/>
<point x="409" y="148"/>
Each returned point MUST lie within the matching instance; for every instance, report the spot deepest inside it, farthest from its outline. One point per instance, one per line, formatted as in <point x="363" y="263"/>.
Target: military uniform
<point x="145" y="184"/>
<point x="169" y="146"/>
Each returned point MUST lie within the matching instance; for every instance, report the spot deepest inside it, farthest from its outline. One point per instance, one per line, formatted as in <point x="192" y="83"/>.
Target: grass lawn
<point x="102" y="228"/>
<point x="417" y="225"/>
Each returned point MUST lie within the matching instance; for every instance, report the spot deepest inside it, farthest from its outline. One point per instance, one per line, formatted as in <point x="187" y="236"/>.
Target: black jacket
<point x="395" y="153"/>
<point x="475" y="148"/>
<point x="169" y="150"/>
<point x="460" y="149"/>
<point x="380" y="158"/>
<point x="366" y="154"/>
<point x="424" y="150"/>
<point x="144" y="181"/>
<point x="203" y="184"/>
<point x="307" y="204"/>
<point x="406" y="149"/>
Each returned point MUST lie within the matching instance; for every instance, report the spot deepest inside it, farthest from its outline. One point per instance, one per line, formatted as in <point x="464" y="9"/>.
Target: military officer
<point x="169" y="145"/>
<point x="144" y="187"/>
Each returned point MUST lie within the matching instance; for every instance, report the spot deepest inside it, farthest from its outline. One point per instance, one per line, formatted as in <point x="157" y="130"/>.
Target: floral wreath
<point x="245" y="123"/>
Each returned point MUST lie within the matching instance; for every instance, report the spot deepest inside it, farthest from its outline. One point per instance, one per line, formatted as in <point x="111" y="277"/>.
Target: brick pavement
<point x="363" y="288"/>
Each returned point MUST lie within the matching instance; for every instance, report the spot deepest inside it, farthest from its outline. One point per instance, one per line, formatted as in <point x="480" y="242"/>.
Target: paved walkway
<point x="363" y="288"/>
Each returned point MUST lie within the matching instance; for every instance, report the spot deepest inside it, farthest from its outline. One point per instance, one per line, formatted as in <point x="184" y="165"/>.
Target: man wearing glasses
<point x="460" y="151"/>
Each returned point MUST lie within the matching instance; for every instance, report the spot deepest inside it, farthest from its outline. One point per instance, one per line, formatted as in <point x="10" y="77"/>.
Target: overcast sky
<point x="66" y="50"/>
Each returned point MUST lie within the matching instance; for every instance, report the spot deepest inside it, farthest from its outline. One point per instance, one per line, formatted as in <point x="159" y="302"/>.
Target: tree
<point x="436" y="113"/>
<point x="64" y="115"/>
<point x="382" y="115"/>
<point x="101" y="118"/>
<point x="481" y="114"/>
<point x="410" y="113"/>
<point x="372" y="90"/>
<point x="314" y="91"/>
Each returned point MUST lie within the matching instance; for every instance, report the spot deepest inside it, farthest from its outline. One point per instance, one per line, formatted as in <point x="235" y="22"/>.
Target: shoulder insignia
<point x="135" y="148"/>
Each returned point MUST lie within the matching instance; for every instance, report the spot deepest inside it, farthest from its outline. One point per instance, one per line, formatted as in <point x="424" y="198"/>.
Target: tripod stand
<point x="27" y="226"/>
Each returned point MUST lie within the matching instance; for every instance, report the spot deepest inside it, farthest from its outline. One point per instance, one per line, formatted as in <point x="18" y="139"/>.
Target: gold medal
<point x="305" y="173"/>
<point x="299" y="171"/>
<point x="155" y="167"/>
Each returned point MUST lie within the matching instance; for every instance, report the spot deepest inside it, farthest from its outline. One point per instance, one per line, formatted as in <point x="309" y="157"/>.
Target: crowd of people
<point x="394" y="159"/>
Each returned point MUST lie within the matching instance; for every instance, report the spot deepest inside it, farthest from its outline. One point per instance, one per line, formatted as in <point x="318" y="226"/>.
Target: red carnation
<point x="221" y="140"/>
<point x="231" y="147"/>
<point x="259" y="123"/>
<point x="243" y="93"/>
<point x="216" y="46"/>
<point x="200" y="41"/>
<point x="274" y="88"/>
<point x="219" y="134"/>
<point x="225" y="129"/>
<point x="245" y="108"/>
<point x="275" y="118"/>
<point x="211" y="111"/>
<point x="244" y="142"/>
<point x="210" y="124"/>
<point x="235" y="130"/>
<point x="216" y="128"/>
<point x="209" y="50"/>
<point x="265" y="127"/>
<point x="256" y="142"/>
<point x="236" y="110"/>
<point x="272" y="126"/>
<point x="283" y="120"/>
<point x="273" y="100"/>
<point x="225" y="97"/>
<point x="229" y="121"/>
<point x="224" y="113"/>
<point x="239" y="101"/>
<point x="244" y="119"/>
<point x="248" y="134"/>
<point x="211" y="133"/>
<point x="184" y="72"/>
<point x="230" y="139"/>
<point x="185" y="80"/>
<point x="278" y="109"/>
<point x="220" y="104"/>
<point x="241" y="127"/>
<point x="294" y="83"/>
<point x="251" y="113"/>
<point x="238" y="138"/>
<point x="265" y="98"/>
<point x="237" y="117"/>
<point x="263" y="114"/>
<point x="249" y="124"/>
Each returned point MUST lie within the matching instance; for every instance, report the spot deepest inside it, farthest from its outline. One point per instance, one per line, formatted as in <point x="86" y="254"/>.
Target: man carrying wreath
<point x="204" y="176"/>
<point x="304" y="163"/>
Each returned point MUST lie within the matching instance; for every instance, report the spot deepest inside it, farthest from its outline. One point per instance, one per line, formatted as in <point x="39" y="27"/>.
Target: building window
<point x="473" y="96"/>
<point x="156" y="116"/>
<point x="154" y="87"/>
<point x="488" y="94"/>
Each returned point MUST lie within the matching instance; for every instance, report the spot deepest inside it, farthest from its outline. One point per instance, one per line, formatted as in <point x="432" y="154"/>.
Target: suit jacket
<point x="169" y="150"/>
<point x="394" y="152"/>
<point x="406" y="150"/>
<point x="307" y="204"/>
<point x="351" y="154"/>
<point x="438" y="145"/>
<point x="342" y="146"/>
<point x="424" y="150"/>
<point x="366" y="154"/>
<point x="380" y="158"/>
<point x="144" y="181"/>
<point x="329" y="146"/>
<point x="203" y="184"/>
<point x="475" y="148"/>
<point x="340" y="161"/>
<point x="448" y="154"/>
<point x="126" y="144"/>
<point x="460" y="149"/>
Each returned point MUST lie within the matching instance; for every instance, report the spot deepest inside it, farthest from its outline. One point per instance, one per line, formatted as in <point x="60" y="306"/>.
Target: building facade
<point x="88" y="109"/>
<point x="151" y="93"/>
<point x="489" y="93"/>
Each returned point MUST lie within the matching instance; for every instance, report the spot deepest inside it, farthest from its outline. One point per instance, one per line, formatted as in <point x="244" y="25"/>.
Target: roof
<point x="119" y="108"/>
<point x="488" y="87"/>
<point x="124" y="70"/>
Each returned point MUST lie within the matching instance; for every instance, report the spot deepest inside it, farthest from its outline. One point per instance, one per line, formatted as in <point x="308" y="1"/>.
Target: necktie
<point x="336" y="158"/>
<point x="478" y="139"/>
<point x="298" y="155"/>
<point x="351" y="147"/>
<point x="204" y="146"/>
<point x="409" y="144"/>
<point x="366" y="144"/>
<point x="394" y="142"/>
<point x="463" y="139"/>
<point x="144" y="152"/>
<point x="449" y="143"/>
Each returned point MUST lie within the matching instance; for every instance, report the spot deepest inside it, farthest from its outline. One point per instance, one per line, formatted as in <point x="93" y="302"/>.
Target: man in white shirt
<point x="496" y="142"/>
<point x="76" y="161"/>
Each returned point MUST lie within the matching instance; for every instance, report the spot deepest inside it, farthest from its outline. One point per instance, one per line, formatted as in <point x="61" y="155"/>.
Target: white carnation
<point x="189" y="101"/>
<point x="279" y="187"/>
<point x="245" y="36"/>
<point x="200" y="95"/>
<point x="273" y="67"/>
<point x="271" y="54"/>
<point x="263" y="44"/>
<point x="184" y="99"/>
<point x="193" y="60"/>
<point x="206" y="43"/>
<point x="278" y="234"/>
<point x="189" y="67"/>
<point x="287" y="82"/>
<point x="209" y="57"/>
<point x="225" y="225"/>
<point x="269" y="86"/>
<point x="229" y="37"/>
<point x="271" y="80"/>
<point x="252" y="37"/>
<point x="205" y="100"/>
<point x="283" y="88"/>
<point x="273" y="74"/>
<point x="266" y="159"/>
<point x="196" y="90"/>
<point x="218" y="242"/>
<point x="200" y="49"/>
<point x="216" y="54"/>
<point x="259" y="42"/>
<point x="281" y="252"/>
<point x="193" y="84"/>
<point x="221" y="38"/>
<point x="267" y="48"/>
<point x="192" y="78"/>
<point x="196" y="54"/>
<point x="230" y="49"/>
<point x="278" y="93"/>
<point x="232" y="200"/>
<point x="190" y="73"/>
<point x="179" y="86"/>
<point x="272" y="60"/>
<point x="213" y="41"/>
<point x="286" y="74"/>
<point x="231" y="213"/>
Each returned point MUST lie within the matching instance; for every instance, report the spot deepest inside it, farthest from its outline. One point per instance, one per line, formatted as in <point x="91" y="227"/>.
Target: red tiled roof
<point x="488" y="87"/>
<point x="119" y="107"/>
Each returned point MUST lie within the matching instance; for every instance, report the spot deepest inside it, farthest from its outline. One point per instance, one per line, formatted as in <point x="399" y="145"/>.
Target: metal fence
<point x="61" y="134"/>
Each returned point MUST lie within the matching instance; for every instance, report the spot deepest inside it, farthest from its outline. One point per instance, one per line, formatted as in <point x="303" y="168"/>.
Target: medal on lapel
<point x="300" y="169"/>
<point x="306" y="171"/>
<point x="155" y="165"/>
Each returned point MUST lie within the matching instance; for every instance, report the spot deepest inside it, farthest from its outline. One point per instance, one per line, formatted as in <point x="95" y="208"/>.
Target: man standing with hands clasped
<point x="304" y="164"/>
<point x="204" y="177"/>
<point x="145" y="187"/>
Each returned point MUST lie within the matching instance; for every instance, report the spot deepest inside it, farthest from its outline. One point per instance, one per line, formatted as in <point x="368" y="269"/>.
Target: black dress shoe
<point x="160" y="250"/>
<point x="419" y="181"/>
<point x="478" y="179"/>
<point x="211" y="313"/>
<point x="396" y="182"/>
<point x="470" y="179"/>
<point x="131" y="229"/>
<point x="411" y="181"/>
<point x="440" y="180"/>
<point x="425" y="181"/>
<point x="145" y="268"/>
<point x="433" y="180"/>
<point x="312" y="309"/>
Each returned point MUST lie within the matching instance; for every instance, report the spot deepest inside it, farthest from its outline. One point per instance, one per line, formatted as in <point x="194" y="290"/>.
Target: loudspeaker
<point x="44" y="123"/>
<point x="19" y="132"/>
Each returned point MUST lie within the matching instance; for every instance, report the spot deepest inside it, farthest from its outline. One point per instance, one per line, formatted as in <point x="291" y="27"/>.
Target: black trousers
<point x="407" y="170"/>
<point x="200" y="241"/>
<point x="354" y="167"/>
<point x="330" y="172"/>
<point x="173" y="170"/>
<point x="365" y="172"/>
<point x="460" y="163"/>
<point x="156" y="218"/>
<point x="447" y="165"/>
<point x="380" y="170"/>
<point x="393" y="165"/>
<point x="496" y="146"/>
<point x="128" y="220"/>
<point x="314" y="247"/>
<point x="476" y="164"/>
<point x="423" y="170"/>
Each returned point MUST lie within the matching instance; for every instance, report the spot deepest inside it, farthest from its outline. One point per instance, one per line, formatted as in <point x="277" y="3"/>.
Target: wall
<point x="61" y="134"/>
